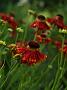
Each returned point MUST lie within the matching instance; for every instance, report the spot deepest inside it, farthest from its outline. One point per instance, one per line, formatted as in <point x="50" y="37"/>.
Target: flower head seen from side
<point x="3" y="16"/>
<point x="41" y="26"/>
<point x="57" y="20"/>
<point x="47" y="41"/>
<point x="64" y="49"/>
<point x="10" y="19"/>
<point x="32" y="55"/>
<point x="40" y="23"/>
<point x="11" y="22"/>
<point x="17" y="49"/>
<point x="43" y="39"/>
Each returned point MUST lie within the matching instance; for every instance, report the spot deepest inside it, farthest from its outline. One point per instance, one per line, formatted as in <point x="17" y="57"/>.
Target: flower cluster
<point x="44" y="27"/>
<point x="29" y="51"/>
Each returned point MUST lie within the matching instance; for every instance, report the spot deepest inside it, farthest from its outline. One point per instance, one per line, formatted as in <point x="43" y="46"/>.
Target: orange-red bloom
<point x="32" y="55"/>
<point x="11" y="21"/>
<point x="40" y="23"/>
<point x="43" y="39"/>
<point x="48" y="40"/>
<point x="57" y="20"/>
<point x="4" y="16"/>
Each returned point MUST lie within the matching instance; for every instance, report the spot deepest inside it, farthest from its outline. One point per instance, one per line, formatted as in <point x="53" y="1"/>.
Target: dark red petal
<point x="65" y="42"/>
<point x="43" y="26"/>
<point x="58" y="44"/>
<point x="40" y="25"/>
<point x="20" y="50"/>
<point x="65" y="27"/>
<point x="50" y="20"/>
<point x="48" y="40"/>
<point x="65" y="49"/>
<point x="59" y="24"/>
<point x="34" y="24"/>
<point x="33" y="56"/>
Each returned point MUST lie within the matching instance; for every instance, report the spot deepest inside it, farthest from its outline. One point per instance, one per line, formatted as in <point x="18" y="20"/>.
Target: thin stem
<point x="61" y="75"/>
<point x="9" y="73"/>
<point x="16" y="38"/>
<point x="2" y="65"/>
<point x="47" y="70"/>
<point x="25" y="34"/>
<point x="42" y="47"/>
<point x="62" y="51"/>
<point x="58" y="71"/>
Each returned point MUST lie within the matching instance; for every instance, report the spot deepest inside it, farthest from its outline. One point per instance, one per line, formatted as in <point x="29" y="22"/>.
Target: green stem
<point x="34" y="38"/>
<point x="65" y="88"/>
<point x="16" y="38"/>
<point x="42" y="47"/>
<point x="2" y="65"/>
<point x="25" y="34"/>
<point x="3" y="29"/>
<point x="56" y="78"/>
<point x="58" y="71"/>
<point x="62" y="51"/>
<point x="61" y="75"/>
<point x="47" y="70"/>
<point x="9" y="73"/>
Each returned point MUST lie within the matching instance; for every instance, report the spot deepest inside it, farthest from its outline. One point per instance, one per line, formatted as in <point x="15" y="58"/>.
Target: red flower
<point x="20" y="50"/>
<point x="57" y="20"/>
<point x="64" y="50"/>
<point x="39" y="38"/>
<point x="40" y="23"/>
<point x="58" y="44"/>
<point x="12" y="23"/>
<point x="3" y="16"/>
<point x="48" y="40"/>
<point x="20" y="47"/>
<point x="32" y="55"/>
<point x="10" y="19"/>
<point x="50" y="20"/>
<point x="43" y="39"/>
